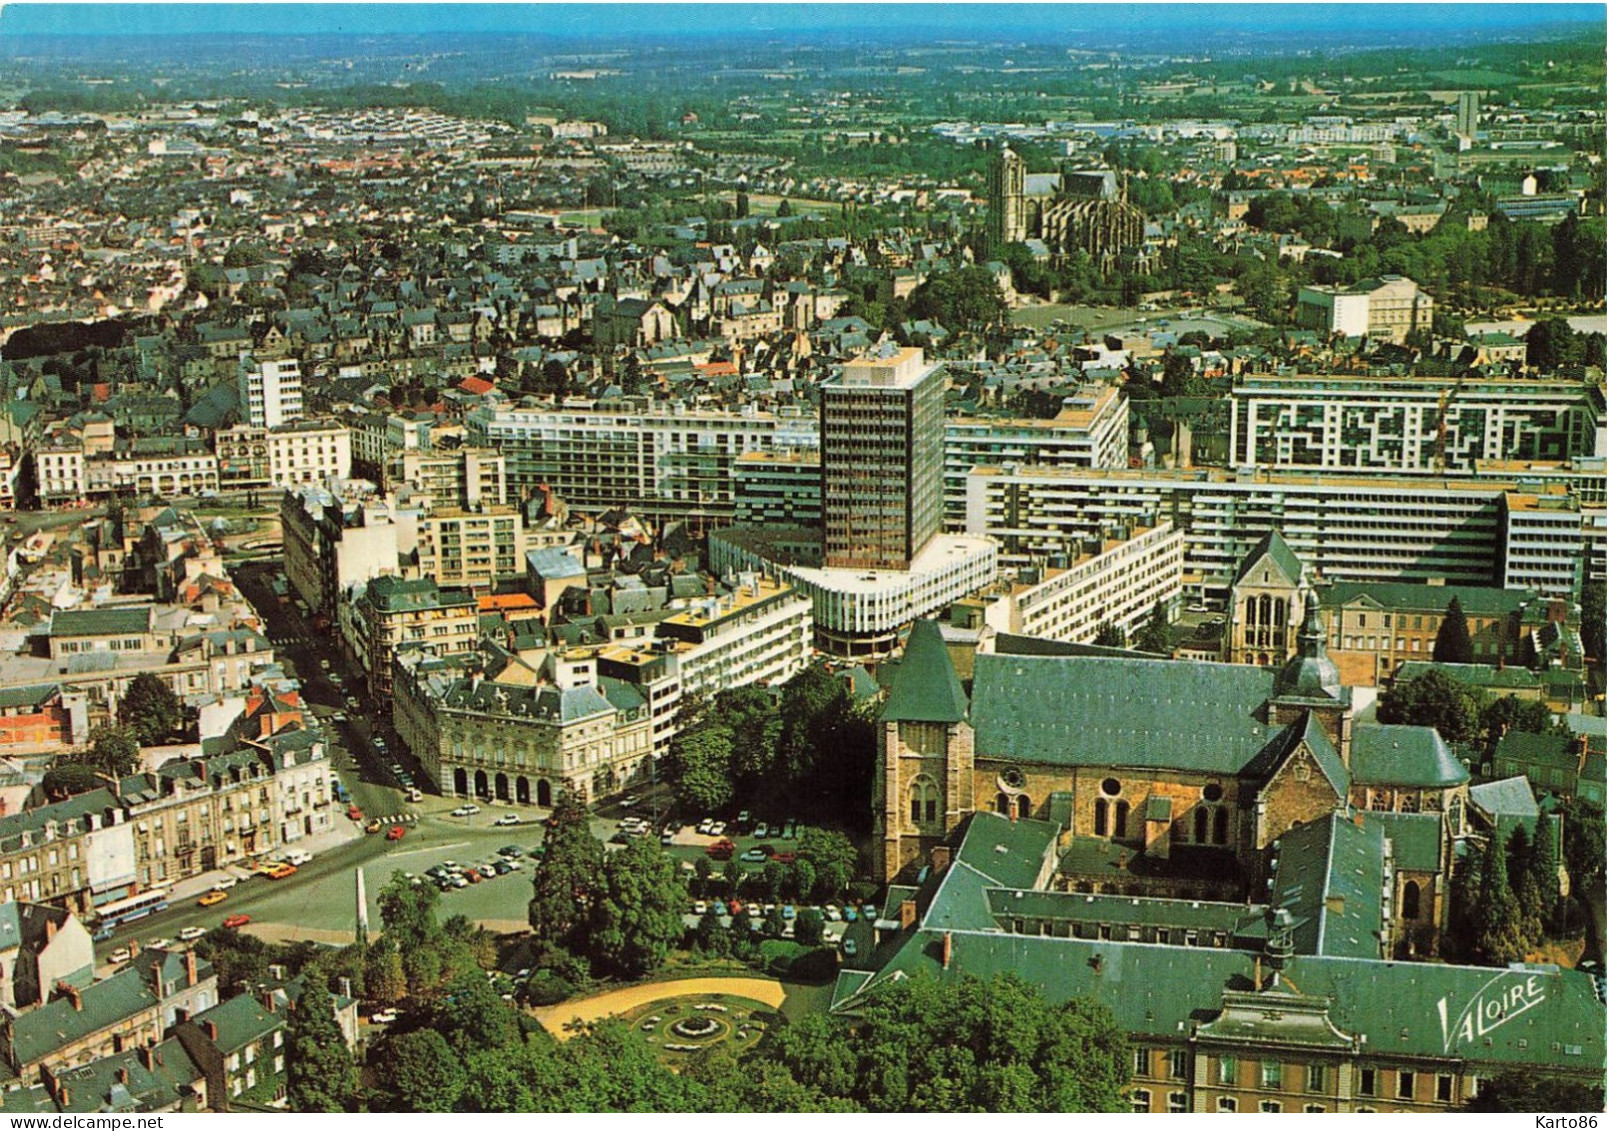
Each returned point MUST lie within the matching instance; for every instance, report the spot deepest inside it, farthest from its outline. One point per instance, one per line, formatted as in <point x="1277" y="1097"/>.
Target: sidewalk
<point x="343" y="833"/>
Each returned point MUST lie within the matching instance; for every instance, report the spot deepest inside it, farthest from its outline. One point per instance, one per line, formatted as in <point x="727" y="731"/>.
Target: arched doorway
<point x="460" y="782"/>
<point x="521" y="790"/>
<point x="1411" y="899"/>
<point x="544" y="794"/>
<point x="502" y="787"/>
<point x="482" y="786"/>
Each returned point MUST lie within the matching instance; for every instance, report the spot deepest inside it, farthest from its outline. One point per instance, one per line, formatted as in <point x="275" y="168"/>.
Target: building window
<point x="1227" y="1070"/>
<point x="1316" y="1077"/>
<point x="1271" y="1074"/>
<point x="1314" y="1109"/>
<point x="1177" y="1101"/>
<point x="1407" y="1086"/>
<point x="1443" y="1088"/>
<point x="1141" y="1062"/>
<point x="1227" y="1103"/>
<point x="1271" y="1106"/>
<point x="1410" y="899"/>
<point x="1140" y="1102"/>
<point x="1367" y="1085"/>
<point x="1180" y="1064"/>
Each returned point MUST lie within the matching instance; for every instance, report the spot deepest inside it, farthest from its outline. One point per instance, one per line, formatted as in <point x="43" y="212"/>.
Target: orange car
<point x="280" y="871"/>
<point x="397" y="833"/>
<point x="235" y="921"/>
<point x="211" y="898"/>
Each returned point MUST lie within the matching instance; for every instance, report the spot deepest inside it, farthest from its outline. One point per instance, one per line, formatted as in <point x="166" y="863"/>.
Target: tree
<point x="569" y="871"/>
<point x="774" y="922"/>
<point x="1593" y="620"/>
<point x="114" y="751"/>
<point x="1156" y="635"/>
<point x="811" y="926"/>
<point x="1543" y="869"/>
<point x="418" y="1072"/>
<point x="833" y="857"/>
<point x="472" y="1016"/>
<point x="1453" y="645"/>
<point x="408" y="912"/>
<point x="965" y="299"/>
<point x="636" y="913"/>
<point x="1526" y="1092"/>
<point x="70" y="778"/>
<point x="784" y="209"/>
<point x="1436" y="700"/>
<point x="150" y="710"/>
<point x="1525" y="889"/>
<point x="319" y="1074"/>
<point x="1109" y="635"/>
<point x="699" y="767"/>
<point x="925" y="1045"/>
<point x="1550" y="344"/>
<point x="1499" y="935"/>
<point x="384" y="980"/>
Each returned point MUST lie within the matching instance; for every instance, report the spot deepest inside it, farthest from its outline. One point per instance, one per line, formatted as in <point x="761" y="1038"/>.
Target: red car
<point x="235" y="921"/>
<point x="721" y="849"/>
<point x="397" y="833"/>
<point x="735" y="907"/>
<point x="355" y="813"/>
<point x="785" y="858"/>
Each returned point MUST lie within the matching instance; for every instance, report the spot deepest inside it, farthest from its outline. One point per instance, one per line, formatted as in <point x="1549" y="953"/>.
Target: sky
<point x="991" y="21"/>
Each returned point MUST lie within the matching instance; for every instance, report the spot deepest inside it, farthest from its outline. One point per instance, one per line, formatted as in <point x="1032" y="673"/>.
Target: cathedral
<point x="1069" y="210"/>
<point x="1167" y="779"/>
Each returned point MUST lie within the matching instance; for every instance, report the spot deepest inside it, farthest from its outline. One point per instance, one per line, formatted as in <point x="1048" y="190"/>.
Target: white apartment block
<point x="1543" y="538"/>
<point x="1118" y="584"/>
<point x="1349" y="529"/>
<point x="473" y="548"/>
<point x="674" y="460"/>
<point x="1411" y="424"/>
<point x="461" y="477"/>
<point x="1383" y="309"/>
<point x="308" y="452"/>
<point x="760" y="633"/>
<point x="60" y="472"/>
<point x="270" y="391"/>
<point x="860" y="612"/>
<point x="1090" y="431"/>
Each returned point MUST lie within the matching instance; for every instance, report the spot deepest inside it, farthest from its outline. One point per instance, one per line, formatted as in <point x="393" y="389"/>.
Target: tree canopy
<point x="150" y="710"/>
<point x="1436" y="700"/>
<point x="320" y="1075"/>
<point x="1453" y="644"/>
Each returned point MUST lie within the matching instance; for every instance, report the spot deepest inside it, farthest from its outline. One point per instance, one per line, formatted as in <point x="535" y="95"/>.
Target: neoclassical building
<point x="1166" y="778"/>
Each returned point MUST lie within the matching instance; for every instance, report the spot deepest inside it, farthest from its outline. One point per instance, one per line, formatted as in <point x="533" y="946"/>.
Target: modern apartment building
<point x="1116" y="582"/>
<point x="761" y="632"/>
<point x="1090" y="431"/>
<point x="270" y="391"/>
<point x="1396" y="528"/>
<point x="388" y="615"/>
<point x="881" y="460"/>
<point x="1412" y="424"/>
<point x="661" y="462"/>
<point x="474" y="548"/>
<point x="453" y="477"/>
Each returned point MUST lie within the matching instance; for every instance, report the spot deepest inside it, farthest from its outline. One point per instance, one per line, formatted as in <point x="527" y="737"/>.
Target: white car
<point x="160" y="944"/>
<point x="190" y="934"/>
<point x="384" y="1017"/>
<point x="831" y="913"/>
<point x="465" y="810"/>
<point x="121" y="954"/>
<point x="717" y="829"/>
<point x="700" y="908"/>
<point x="508" y="819"/>
<point x="225" y="882"/>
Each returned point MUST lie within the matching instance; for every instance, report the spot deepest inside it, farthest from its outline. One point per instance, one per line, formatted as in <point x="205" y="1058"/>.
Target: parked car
<point x="397" y="833"/>
<point x="511" y="851"/>
<point x="212" y="898"/>
<point x="785" y="858"/>
<point x="705" y="825"/>
<point x="832" y="913"/>
<point x="754" y="856"/>
<point x="415" y="794"/>
<point x="508" y="819"/>
<point x="629" y="802"/>
<point x="104" y="934"/>
<point x="849" y="914"/>
<point x="160" y="944"/>
<point x="355" y="813"/>
<point x="850" y="948"/>
<point x="235" y="922"/>
<point x="384" y="1017"/>
<point x="466" y="810"/>
<point x="761" y="830"/>
<point x="121" y="954"/>
<point x="717" y="829"/>
<point x="788" y="911"/>
<point x="282" y="872"/>
<point x="721" y="849"/>
<point x="734" y="907"/>
<point x="372" y="826"/>
<point x="190" y="934"/>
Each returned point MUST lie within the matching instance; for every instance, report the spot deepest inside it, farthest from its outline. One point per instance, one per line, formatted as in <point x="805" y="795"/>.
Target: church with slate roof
<point x="1167" y="779"/>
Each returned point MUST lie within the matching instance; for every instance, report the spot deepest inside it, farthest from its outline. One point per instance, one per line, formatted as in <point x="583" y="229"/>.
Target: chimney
<point x="122" y="1075"/>
<point x="133" y="949"/>
<point x="948" y="948"/>
<point x="1258" y="973"/>
<point x="63" y="1097"/>
<point x="211" y="1029"/>
<point x="189" y="968"/>
<point x="940" y="858"/>
<point x="906" y="914"/>
<point x="72" y="993"/>
<point x="50" y="930"/>
<point x="268" y="1002"/>
<point x="146" y="1056"/>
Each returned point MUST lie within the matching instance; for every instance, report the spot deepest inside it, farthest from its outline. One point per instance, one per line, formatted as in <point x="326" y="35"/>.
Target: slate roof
<point x="1403" y="755"/>
<point x="1283" y="556"/>
<point x="1165" y="991"/>
<point x="1477" y="600"/>
<point x="1475" y="675"/>
<point x="1330" y="878"/>
<point x="1309" y="731"/>
<point x="926" y="688"/>
<point x="101" y="622"/>
<point x="1098" y="711"/>
<point x="1509" y="797"/>
<point x="1417" y="839"/>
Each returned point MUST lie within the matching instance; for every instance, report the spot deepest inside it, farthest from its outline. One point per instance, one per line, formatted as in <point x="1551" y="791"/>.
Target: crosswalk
<point x="290" y="641"/>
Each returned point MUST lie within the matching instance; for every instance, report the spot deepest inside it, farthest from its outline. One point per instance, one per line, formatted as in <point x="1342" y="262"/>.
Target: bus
<point x="120" y="911"/>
